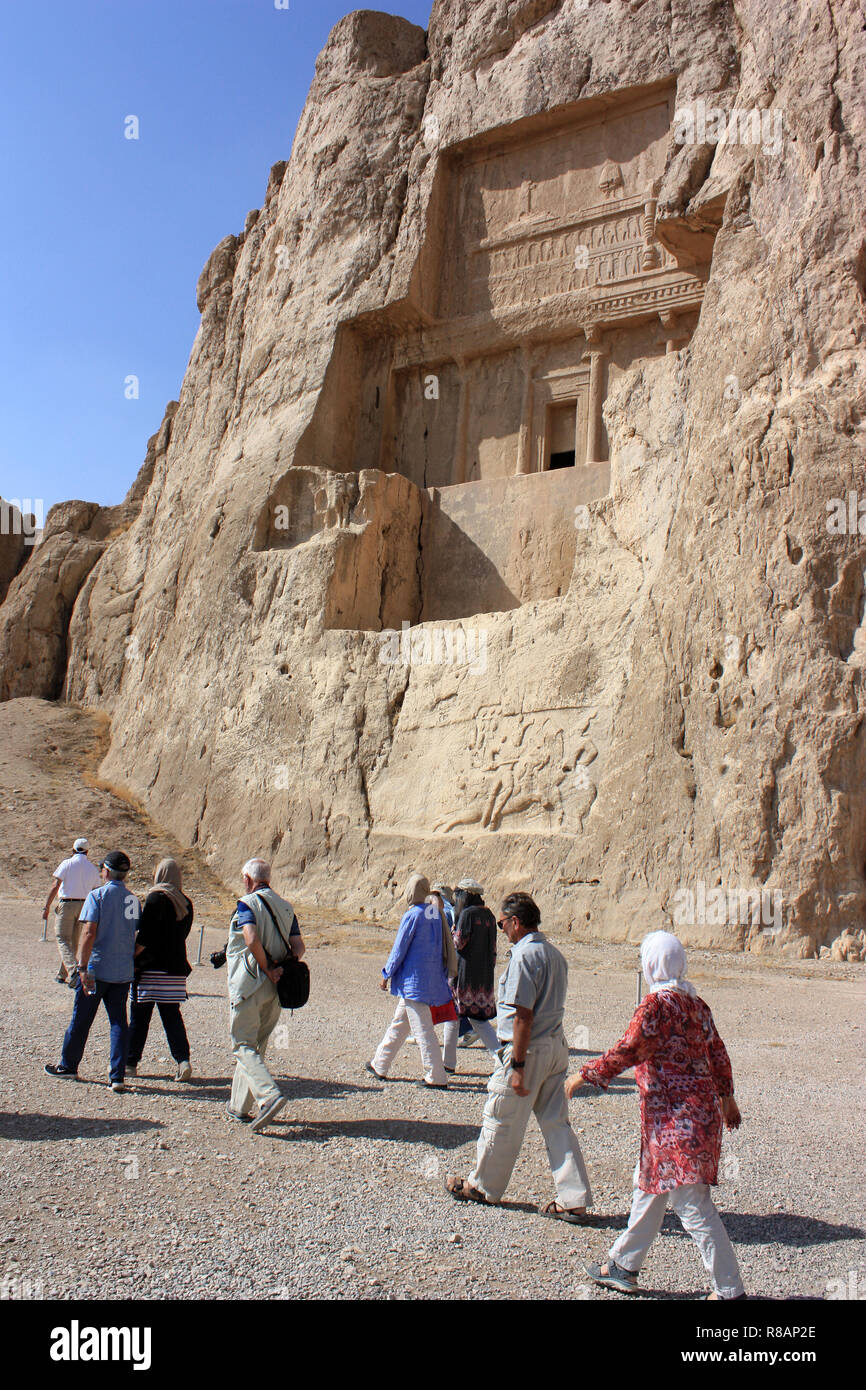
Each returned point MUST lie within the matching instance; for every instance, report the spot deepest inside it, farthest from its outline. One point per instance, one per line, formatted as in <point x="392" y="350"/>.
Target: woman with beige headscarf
<point x="161" y="968"/>
<point x="416" y="973"/>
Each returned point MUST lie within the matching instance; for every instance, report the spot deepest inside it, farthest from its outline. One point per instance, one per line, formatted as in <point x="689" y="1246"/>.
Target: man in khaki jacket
<point x="260" y="928"/>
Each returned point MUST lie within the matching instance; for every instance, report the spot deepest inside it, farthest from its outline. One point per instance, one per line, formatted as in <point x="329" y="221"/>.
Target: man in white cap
<point x="72" y="880"/>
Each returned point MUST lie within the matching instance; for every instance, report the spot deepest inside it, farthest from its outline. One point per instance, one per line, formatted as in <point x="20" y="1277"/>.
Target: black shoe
<point x="53" y="1070"/>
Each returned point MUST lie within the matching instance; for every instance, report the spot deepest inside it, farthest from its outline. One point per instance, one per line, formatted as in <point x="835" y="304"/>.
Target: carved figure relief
<point x="334" y="500"/>
<point x="525" y="770"/>
<point x="610" y="178"/>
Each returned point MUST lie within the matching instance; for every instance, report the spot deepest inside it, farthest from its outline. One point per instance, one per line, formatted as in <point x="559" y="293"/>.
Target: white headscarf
<point x="664" y="963"/>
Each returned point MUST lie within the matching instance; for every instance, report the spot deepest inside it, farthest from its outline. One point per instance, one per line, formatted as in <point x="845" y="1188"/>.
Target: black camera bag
<point x="293" y="986"/>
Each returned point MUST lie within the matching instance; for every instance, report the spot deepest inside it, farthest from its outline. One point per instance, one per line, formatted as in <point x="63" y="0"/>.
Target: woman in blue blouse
<point x="416" y="973"/>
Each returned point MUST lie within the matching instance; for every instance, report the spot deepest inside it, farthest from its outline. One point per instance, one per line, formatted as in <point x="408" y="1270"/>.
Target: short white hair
<point x="259" y="870"/>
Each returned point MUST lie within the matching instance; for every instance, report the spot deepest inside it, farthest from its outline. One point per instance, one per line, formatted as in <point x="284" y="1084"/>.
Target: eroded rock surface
<point x="491" y="534"/>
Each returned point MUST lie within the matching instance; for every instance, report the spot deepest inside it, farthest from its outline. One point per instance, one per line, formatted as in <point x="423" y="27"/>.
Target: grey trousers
<point x="506" y="1116"/>
<point x="483" y="1029"/>
<point x="696" y="1209"/>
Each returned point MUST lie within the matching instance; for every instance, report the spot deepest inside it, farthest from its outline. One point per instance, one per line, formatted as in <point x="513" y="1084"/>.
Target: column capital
<point x="594" y="339"/>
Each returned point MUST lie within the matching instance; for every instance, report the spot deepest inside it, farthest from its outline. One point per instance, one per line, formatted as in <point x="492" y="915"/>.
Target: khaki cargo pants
<point x="506" y="1116"/>
<point x="252" y="1022"/>
<point x="67" y="929"/>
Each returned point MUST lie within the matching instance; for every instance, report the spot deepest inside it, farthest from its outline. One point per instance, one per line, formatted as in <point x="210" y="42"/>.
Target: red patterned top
<point x="681" y="1069"/>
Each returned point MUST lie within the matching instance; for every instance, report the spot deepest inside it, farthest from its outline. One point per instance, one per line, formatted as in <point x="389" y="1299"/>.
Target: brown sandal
<point x="461" y="1190"/>
<point x="575" y="1215"/>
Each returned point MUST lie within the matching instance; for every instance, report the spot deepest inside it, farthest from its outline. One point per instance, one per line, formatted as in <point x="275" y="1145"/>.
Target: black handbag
<point x="293" y="986"/>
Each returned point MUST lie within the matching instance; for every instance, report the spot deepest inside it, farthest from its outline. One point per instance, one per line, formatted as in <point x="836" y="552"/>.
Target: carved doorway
<point x="561" y="435"/>
<point x="560" y="403"/>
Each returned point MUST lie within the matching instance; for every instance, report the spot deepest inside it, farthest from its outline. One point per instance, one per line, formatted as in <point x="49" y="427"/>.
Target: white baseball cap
<point x="80" y="843"/>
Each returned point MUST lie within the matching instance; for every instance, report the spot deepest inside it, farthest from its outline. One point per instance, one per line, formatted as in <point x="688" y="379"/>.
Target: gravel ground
<point x="156" y="1194"/>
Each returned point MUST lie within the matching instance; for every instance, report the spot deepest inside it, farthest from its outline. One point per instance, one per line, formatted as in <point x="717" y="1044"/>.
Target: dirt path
<point x="156" y="1194"/>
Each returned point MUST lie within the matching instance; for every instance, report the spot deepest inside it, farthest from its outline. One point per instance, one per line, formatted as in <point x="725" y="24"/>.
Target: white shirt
<point x="77" y="876"/>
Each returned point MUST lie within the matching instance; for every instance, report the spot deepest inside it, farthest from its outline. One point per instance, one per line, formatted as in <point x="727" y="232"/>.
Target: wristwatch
<point x="518" y="1066"/>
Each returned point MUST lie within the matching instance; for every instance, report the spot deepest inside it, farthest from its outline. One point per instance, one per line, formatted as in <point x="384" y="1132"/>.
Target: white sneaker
<point x="184" y="1071"/>
<point x="468" y="1040"/>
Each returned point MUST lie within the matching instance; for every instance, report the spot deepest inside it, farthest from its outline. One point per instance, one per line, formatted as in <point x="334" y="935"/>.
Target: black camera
<point x="218" y="959"/>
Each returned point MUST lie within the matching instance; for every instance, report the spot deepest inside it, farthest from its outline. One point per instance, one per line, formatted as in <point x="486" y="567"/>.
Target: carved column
<point x="597" y="353"/>
<point x="524" y="439"/>
<point x="650" y="257"/>
<point x="386" y="452"/>
<point x="579" y="429"/>
<point x="670" y="323"/>
<point x="462" y="422"/>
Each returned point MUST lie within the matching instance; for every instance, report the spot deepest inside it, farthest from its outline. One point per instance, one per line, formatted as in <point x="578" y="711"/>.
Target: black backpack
<point x="293" y="986"/>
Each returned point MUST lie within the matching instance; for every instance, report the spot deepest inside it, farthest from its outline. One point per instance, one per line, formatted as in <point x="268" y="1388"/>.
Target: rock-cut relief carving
<point x="610" y="178"/>
<point x="333" y="501"/>
<point x="525" y="770"/>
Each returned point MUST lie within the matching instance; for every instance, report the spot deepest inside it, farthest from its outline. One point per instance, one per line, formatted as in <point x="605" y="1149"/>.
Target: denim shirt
<point x="116" y="911"/>
<point x="415" y="966"/>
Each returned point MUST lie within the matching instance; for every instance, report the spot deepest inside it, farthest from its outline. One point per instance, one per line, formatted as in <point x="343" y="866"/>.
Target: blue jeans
<point x="84" y="1011"/>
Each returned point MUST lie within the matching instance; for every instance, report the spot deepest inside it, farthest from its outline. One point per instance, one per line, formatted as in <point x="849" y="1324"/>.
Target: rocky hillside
<point x="712" y="630"/>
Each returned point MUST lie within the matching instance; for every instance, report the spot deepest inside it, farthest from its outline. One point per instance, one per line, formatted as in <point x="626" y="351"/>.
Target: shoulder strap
<point x="272" y="916"/>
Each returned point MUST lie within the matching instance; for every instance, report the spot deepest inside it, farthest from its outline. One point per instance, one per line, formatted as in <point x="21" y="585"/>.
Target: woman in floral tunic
<point x="683" y="1074"/>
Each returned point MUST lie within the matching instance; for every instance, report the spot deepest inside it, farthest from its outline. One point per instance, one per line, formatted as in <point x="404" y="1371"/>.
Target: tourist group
<point x="441" y="971"/>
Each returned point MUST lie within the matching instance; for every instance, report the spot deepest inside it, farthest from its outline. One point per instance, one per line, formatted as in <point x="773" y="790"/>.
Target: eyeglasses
<point x="501" y="923"/>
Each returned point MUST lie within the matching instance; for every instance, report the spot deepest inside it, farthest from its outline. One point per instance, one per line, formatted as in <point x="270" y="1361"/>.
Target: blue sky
<point x="104" y="237"/>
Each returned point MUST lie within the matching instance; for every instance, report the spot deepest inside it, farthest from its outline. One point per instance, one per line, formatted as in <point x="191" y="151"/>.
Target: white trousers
<point x="417" y="1019"/>
<point x="694" y="1206"/>
<point x="506" y="1116"/>
<point x="482" y="1026"/>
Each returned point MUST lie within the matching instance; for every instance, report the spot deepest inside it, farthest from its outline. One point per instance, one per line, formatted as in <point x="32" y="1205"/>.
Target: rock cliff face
<point x="355" y="621"/>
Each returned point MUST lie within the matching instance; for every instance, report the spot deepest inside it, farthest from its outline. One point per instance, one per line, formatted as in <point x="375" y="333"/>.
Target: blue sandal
<point x="623" y="1280"/>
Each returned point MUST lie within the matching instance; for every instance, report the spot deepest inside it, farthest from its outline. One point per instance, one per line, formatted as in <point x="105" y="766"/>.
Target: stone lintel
<point x="553" y="320"/>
